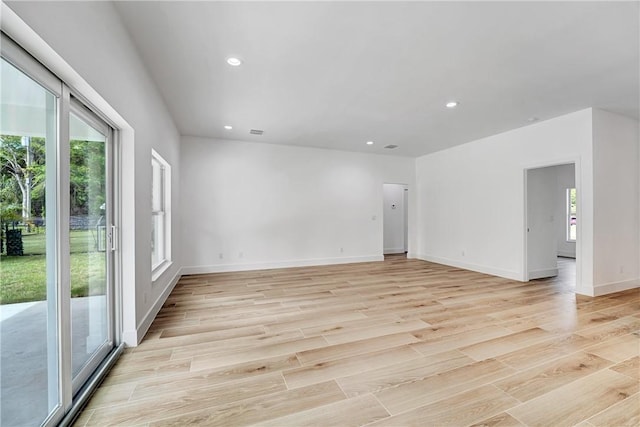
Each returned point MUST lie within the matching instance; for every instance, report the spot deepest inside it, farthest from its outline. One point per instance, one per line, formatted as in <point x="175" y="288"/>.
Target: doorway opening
<point x="551" y="223"/>
<point x="395" y="219"/>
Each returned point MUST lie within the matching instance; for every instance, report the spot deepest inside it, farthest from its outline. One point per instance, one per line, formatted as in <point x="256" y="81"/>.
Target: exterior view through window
<point x="28" y="292"/>
<point x="572" y="216"/>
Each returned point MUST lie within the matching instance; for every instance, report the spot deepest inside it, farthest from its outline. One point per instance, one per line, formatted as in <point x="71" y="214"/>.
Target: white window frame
<point x="569" y="214"/>
<point x="162" y="210"/>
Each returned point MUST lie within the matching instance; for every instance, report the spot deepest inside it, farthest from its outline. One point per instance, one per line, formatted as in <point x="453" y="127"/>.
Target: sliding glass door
<point x="56" y="258"/>
<point x="90" y="252"/>
<point x="29" y="292"/>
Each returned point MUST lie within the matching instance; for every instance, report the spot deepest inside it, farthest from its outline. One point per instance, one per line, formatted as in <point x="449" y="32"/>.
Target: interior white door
<point x="541" y="236"/>
<point x="394" y="218"/>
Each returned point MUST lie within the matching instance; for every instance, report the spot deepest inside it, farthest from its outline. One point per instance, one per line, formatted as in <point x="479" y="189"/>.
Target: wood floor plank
<point x="212" y="348"/>
<point x="110" y="395"/>
<point x="207" y="377"/>
<point x="618" y="348"/>
<point x="622" y="414"/>
<point x="339" y="351"/>
<point x="132" y="357"/>
<point x="546" y="377"/>
<point x="503" y="345"/>
<point x="373" y="331"/>
<point x="622" y="326"/>
<point x="351" y="344"/>
<point x="423" y="391"/>
<point x="324" y="371"/>
<point x="570" y="321"/>
<point x="337" y="325"/>
<point x="178" y="341"/>
<point x="149" y="371"/>
<point x="577" y="401"/>
<point x="308" y="323"/>
<point x="454" y="326"/>
<point x="351" y="412"/>
<point x="629" y="367"/>
<point x="247" y="355"/>
<point x="428" y="346"/>
<point x="461" y="409"/>
<point x="392" y="376"/>
<point x="263" y="408"/>
<point x="149" y="410"/>
<point x="544" y="351"/>
<point x="629" y="309"/>
<point x="500" y="420"/>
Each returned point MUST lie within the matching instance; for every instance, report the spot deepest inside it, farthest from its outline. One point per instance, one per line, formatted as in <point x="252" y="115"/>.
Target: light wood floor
<point x="400" y="342"/>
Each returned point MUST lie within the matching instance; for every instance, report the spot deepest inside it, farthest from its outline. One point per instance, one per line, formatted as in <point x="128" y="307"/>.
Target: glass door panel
<point x="89" y="219"/>
<point x="29" y="340"/>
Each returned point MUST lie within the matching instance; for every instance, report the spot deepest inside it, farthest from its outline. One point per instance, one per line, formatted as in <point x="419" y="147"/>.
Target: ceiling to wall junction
<point x="338" y="74"/>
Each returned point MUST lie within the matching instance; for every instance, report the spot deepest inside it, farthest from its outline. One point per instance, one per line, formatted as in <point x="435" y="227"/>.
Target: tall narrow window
<point x="160" y="214"/>
<point x="572" y="215"/>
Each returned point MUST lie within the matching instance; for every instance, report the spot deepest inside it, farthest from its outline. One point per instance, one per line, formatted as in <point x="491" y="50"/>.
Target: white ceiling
<point x="337" y="74"/>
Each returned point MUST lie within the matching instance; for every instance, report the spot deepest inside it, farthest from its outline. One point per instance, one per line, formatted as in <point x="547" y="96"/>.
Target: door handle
<point x="112" y="238"/>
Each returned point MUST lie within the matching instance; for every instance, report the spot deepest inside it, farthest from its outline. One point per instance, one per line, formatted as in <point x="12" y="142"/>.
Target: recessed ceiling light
<point x="227" y="127"/>
<point x="532" y="119"/>
<point x="452" y="104"/>
<point x="234" y="62"/>
<point x="369" y="142"/>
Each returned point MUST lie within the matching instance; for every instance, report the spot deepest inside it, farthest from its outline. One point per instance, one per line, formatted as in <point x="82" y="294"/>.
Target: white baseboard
<point x="610" y="288"/>
<point x="541" y="274"/>
<point x="223" y="268"/>
<point x="513" y="275"/>
<point x="133" y="338"/>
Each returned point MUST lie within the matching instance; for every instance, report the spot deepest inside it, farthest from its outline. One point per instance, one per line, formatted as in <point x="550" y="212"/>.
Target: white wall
<point x="566" y="178"/>
<point x="393" y="212"/>
<point x="541" y="223"/>
<point x="249" y="205"/>
<point x="88" y="47"/>
<point x="616" y="217"/>
<point x="471" y="197"/>
<point x="470" y="208"/>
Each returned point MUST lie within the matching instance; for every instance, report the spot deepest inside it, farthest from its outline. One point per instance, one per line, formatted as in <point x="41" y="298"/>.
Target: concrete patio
<point x="23" y="358"/>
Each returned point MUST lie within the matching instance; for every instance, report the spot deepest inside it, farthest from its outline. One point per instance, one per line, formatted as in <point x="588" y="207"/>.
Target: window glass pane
<point x="572" y="214"/>
<point x="28" y="320"/>
<point x="88" y="241"/>
<point x="157" y="240"/>
<point x="157" y="184"/>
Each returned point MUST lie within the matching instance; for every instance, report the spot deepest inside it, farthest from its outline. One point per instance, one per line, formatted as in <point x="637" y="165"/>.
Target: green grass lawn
<point x="79" y="241"/>
<point x="23" y="278"/>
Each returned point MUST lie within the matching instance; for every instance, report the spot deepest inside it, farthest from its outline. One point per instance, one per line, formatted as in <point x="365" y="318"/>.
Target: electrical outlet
<point x="341" y="250"/>
<point x="220" y="255"/>
<point x="240" y="255"/>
